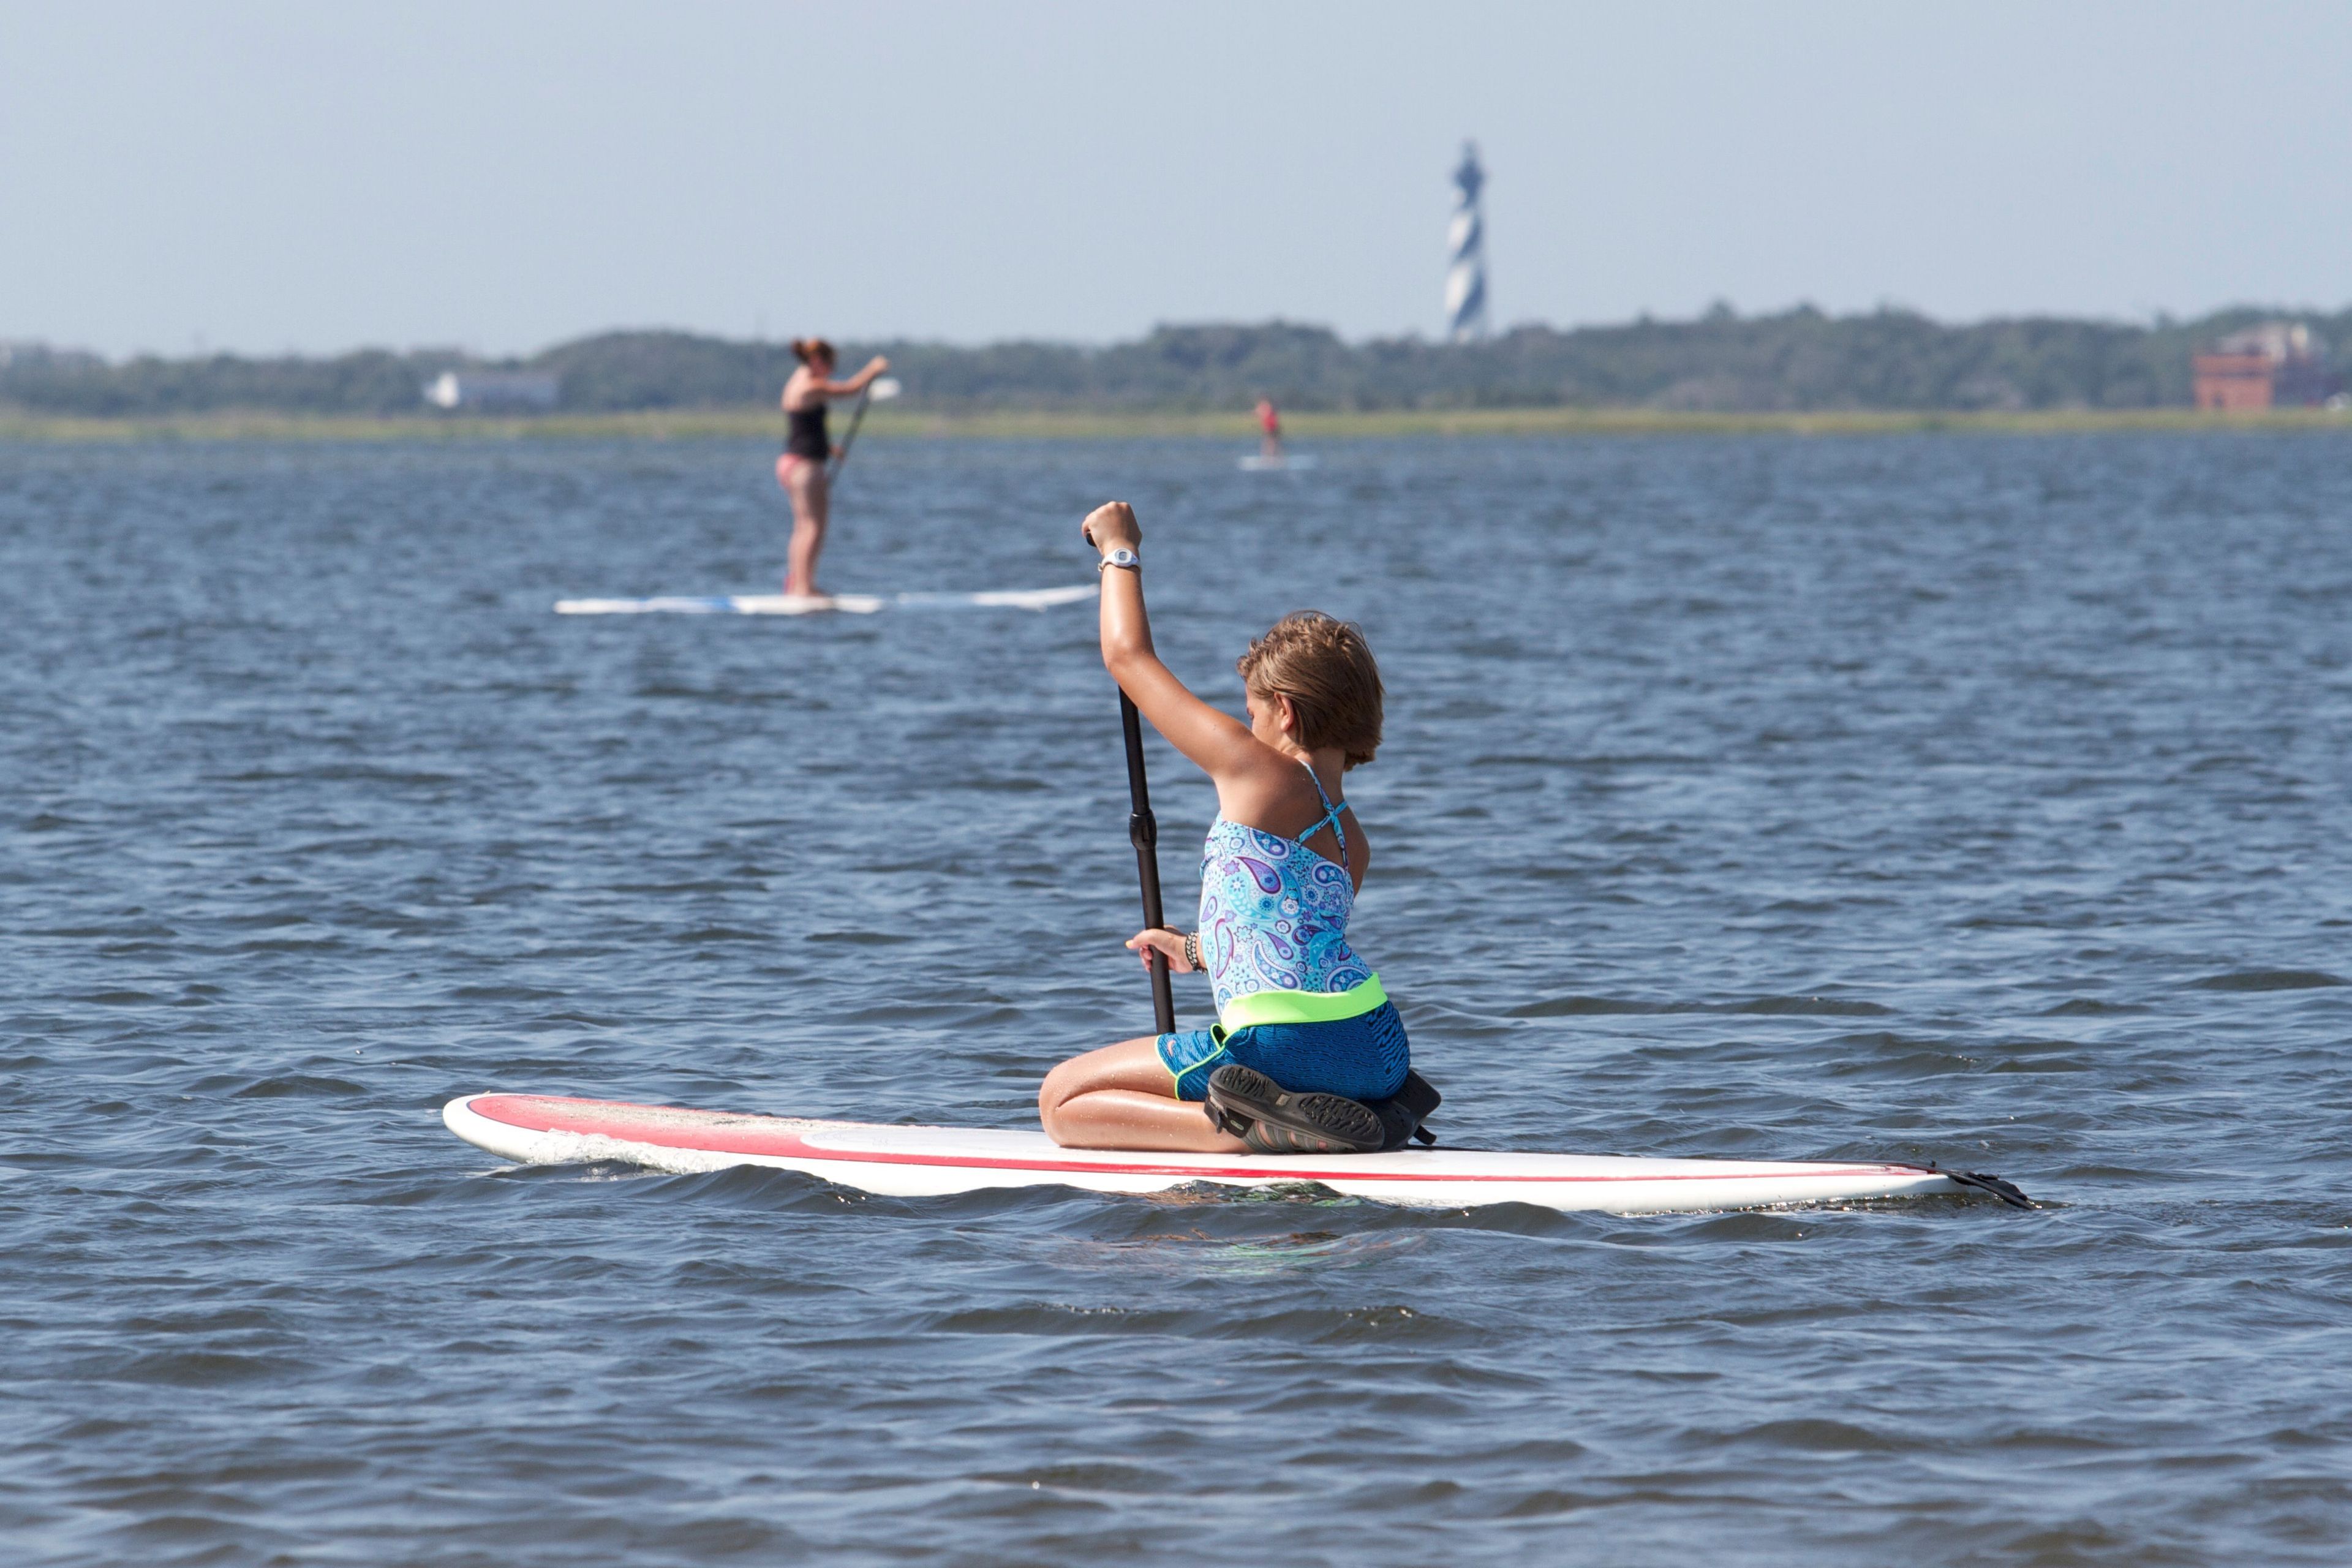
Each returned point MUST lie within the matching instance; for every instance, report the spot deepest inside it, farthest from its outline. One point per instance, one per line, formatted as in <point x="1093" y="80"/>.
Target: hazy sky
<point x="503" y="174"/>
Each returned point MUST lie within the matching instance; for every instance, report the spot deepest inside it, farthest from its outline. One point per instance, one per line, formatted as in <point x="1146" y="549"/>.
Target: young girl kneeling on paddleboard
<point x="1308" y="1056"/>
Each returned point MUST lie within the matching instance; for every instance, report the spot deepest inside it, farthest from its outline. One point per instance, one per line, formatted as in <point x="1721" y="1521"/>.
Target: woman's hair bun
<point x="808" y="350"/>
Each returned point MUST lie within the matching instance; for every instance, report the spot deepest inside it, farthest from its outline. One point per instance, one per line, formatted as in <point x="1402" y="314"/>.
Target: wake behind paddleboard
<point x="931" y="1162"/>
<point x="820" y="604"/>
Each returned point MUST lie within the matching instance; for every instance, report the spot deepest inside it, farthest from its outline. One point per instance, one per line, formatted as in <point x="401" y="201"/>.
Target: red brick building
<point x="2232" y="382"/>
<point x="2276" y="363"/>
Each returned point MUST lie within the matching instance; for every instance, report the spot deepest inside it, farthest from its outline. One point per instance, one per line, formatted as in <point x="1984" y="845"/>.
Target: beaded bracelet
<point x="1193" y="949"/>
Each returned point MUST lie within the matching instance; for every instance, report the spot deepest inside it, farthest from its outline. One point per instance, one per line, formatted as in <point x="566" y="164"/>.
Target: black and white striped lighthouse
<point x="1466" y="249"/>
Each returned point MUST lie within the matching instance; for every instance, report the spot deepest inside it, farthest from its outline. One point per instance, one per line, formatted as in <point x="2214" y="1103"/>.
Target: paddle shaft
<point x="849" y="437"/>
<point x="1143" y="832"/>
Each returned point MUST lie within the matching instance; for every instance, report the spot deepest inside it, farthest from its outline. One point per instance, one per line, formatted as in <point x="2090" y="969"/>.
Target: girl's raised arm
<point x="856" y="384"/>
<point x="1217" y="743"/>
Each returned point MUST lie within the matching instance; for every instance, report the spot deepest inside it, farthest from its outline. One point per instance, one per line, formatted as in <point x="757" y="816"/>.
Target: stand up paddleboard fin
<point x="2007" y="1192"/>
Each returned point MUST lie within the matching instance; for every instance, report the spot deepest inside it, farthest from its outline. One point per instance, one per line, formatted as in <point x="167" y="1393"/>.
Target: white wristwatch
<point x="1122" y="556"/>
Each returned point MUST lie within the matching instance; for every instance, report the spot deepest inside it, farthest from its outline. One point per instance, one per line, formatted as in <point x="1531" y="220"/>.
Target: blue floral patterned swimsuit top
<point x="1273" y="926"/>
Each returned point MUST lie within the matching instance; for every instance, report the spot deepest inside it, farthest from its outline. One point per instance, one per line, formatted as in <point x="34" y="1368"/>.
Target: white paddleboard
<point x="927" y="1162"/>
<point x="820" y="604"/>
<point x="1289" y="462"/>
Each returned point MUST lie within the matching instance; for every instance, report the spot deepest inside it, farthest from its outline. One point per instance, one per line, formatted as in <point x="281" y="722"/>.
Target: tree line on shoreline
<point x="1798" y="361"/>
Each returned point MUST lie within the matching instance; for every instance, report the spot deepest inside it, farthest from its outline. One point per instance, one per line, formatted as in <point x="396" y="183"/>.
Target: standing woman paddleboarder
<point x="1308" y="1056"/>
<point x="807" y="449"/>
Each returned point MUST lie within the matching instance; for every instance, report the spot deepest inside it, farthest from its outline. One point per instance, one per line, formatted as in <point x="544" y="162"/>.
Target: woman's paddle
<point x="1143" y="832"/>
<point x="881" y="391"/>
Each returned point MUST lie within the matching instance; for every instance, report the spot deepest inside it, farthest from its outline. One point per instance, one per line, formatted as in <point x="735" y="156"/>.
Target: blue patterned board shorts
<point x="1363" y="1057"/>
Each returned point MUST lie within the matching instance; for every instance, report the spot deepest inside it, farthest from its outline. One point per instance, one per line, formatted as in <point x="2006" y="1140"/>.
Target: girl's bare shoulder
<point x="1269" y="791"/>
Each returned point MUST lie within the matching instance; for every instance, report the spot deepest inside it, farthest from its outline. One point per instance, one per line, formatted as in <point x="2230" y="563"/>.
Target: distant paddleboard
<point x="930" y="1161"/>
<point x="821" y="604"/>
<point x="1288" y="463"/>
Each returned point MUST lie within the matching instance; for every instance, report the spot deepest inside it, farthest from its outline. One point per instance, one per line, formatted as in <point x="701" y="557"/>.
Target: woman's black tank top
<point x="804" y="433"/>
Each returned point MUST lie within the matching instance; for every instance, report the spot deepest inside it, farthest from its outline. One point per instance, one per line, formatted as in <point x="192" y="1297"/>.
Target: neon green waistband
<point x="1301" y="1006"/>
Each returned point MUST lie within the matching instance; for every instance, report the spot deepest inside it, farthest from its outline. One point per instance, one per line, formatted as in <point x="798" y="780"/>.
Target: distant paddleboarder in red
<point x="1269" y="424"/>
<point x="807" y="449"/>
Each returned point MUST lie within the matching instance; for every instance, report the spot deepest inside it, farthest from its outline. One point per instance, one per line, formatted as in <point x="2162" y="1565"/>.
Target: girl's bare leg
<point x="1120" y="1098"/>
<point x="810" y="507"/>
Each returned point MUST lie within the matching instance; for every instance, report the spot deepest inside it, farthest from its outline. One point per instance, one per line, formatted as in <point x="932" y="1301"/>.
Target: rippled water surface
<point x="1970" y="798"/>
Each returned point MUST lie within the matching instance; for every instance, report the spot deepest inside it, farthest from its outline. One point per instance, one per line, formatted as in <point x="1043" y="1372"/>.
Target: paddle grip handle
<point x="1143" y="832"/>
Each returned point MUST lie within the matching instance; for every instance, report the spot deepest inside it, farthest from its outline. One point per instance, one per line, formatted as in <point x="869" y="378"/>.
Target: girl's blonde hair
<point x="1325" y="667"/>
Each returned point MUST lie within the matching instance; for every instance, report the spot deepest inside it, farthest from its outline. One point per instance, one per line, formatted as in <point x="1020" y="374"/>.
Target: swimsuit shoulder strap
<point x="1331" y="817"/>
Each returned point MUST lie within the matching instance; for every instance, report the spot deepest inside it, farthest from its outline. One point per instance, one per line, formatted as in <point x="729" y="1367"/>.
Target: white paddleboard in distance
<point x="1289" y="462"/>
<point x="821" y="604"/>
<point x="931" y="1162"/>
<point x="725" y="605"/>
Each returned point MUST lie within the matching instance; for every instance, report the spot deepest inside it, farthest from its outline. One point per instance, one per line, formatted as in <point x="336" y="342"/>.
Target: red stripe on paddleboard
<point x="509" y="1109"/>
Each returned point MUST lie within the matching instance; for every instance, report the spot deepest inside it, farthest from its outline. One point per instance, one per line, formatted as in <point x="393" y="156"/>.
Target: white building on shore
<point x="528" y="392"/>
